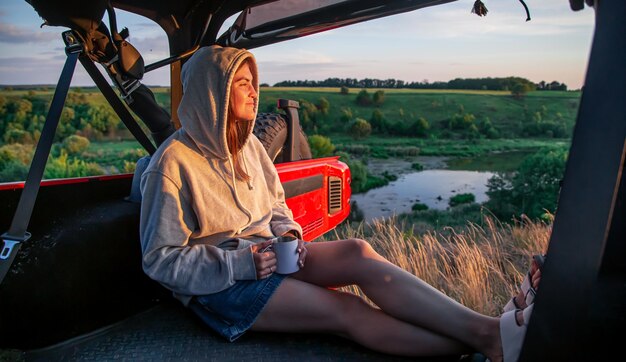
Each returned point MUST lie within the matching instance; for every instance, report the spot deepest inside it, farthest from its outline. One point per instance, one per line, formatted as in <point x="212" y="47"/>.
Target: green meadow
<point x="405" y="105"/>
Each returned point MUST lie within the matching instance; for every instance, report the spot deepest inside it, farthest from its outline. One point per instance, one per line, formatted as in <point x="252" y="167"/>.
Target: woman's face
<point x="243" y="95"/>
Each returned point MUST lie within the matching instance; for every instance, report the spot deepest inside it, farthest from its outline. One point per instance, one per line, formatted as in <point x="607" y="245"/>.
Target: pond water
<point x="431" y="187"/>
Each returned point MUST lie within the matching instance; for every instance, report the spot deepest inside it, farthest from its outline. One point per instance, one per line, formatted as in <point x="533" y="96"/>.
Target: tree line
<point x="506" y="84"/>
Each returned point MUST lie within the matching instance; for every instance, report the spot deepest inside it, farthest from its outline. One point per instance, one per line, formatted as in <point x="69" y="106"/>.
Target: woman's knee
<point x="360" y="248"/>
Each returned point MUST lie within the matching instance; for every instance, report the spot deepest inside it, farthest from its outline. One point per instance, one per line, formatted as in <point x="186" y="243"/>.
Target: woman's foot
<point x="512" y="331"/>
<point x="529" y="286"/>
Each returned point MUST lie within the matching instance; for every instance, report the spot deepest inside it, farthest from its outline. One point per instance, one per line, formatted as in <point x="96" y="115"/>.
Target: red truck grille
<point x="334" y="194"/>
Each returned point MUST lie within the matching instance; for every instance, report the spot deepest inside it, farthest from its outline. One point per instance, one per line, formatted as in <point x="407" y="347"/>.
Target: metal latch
<point x="9" y="243"/>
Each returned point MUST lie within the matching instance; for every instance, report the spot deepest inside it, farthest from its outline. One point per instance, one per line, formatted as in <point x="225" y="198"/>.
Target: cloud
<point x="156" y="44"/>
<point x="30" y="70"/>
<point x="16" y="35"/>
<point x="276" y="71"/>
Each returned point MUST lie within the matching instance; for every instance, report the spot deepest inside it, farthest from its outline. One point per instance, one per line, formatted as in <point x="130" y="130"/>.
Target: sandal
<point x="512" y="334"/>
<point x="526" y="287"/>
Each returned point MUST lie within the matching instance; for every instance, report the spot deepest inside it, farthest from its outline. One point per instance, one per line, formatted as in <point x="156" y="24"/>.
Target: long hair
<point x="237" y="132"/>
<point x="236" y="136"/>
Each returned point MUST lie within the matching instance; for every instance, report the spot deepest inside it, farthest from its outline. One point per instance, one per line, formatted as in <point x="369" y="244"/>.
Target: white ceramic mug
<point x="286" y="250"/>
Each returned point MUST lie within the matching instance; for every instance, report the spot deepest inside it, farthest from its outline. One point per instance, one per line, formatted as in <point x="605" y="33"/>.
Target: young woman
<point x="212" y="200"/>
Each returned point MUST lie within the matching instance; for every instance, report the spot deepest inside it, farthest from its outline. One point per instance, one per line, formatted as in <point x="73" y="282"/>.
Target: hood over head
<point x="203" y="110"/>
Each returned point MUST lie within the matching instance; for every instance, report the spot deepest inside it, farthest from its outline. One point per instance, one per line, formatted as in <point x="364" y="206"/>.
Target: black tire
<point x="271" y="130"/>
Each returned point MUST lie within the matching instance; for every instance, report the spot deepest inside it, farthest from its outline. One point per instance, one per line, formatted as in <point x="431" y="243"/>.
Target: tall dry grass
<point x="479" y="266"/>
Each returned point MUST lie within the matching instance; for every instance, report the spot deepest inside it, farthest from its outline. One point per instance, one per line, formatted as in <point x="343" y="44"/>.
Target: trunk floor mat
<point x="170" y="332"/>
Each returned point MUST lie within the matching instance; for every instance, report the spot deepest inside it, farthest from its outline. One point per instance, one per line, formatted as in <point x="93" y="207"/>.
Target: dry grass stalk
<point x="481" y="267"/>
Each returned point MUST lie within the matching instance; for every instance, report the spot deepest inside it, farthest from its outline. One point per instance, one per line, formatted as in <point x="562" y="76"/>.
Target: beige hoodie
<point x="197" y="220"/>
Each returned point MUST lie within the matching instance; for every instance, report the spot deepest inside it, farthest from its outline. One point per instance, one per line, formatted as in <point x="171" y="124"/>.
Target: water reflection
<point x="431" y="187"/>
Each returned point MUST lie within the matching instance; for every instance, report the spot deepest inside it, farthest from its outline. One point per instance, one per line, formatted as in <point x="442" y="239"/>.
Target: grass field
<point x="507" y="114"/>
<point x="404" y="105"/>
<point x="446" y="147"/>
<point x="400" y="105"/>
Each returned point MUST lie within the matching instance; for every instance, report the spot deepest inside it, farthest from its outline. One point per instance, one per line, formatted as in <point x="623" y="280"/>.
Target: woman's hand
<point x="302" y="251"/>
<point x="264" y="260"/>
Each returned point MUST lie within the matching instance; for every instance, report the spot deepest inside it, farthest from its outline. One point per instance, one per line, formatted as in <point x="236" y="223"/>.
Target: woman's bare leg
<point x="399" y="293"/>
<point x="297" y="306"/>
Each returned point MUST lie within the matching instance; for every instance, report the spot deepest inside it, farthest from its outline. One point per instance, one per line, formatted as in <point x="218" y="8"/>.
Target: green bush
<point x="459" y="199"/>
<point x="419" y="127"/>
<point x="532" y="190"/>
<point x="321" y="146"/>
<point x="378" y="122"/>
<point x="419" y="207"/>
<point x="346" y="115"/>
<point x="323" y="105"/>
<point x="417" y="166"/>
<point x="65" y="167"/>
<point x="75" y="145"/>
<point x="13" y="171"/>
<point x="379" y="98"/>
<point x="16" y="152"/>
<point x="373" y="182"/>
<point x="360" y="128"/>
<point x="363" y="98"/>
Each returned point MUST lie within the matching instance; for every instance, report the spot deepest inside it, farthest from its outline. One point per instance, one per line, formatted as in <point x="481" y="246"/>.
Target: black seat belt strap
<point x="117" y="104"/>
<point x="17" y="233"/>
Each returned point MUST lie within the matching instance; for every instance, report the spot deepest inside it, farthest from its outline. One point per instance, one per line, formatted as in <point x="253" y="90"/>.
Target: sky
<point x="439" y="43"/>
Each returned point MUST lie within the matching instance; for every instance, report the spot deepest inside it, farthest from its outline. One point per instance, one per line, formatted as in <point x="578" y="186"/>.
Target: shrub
<point x="16" y="152"/>
<point x="363" y="98"/>
<point x="532" y="190"/>
<point x="321" y="146"/>
<point x="13" y="171"/>
<point x="75" y="145"/>
<point x="17" y="136"/>
<point x="378" y="98"/>
<point x="344" y="90"/>
<point x="417" y="166"/>
<point x="378" y="121"/>
<point x="360" y="128"/>
<point x="420" y="127"/>
<point x="373" y="182"/>
<point x="129" y="167"/>
<point x="64" y="167"/>
<point x="419" y="207"/>
<point x="346" y="115"/>
<point x="462" y="199"/>
<point x="323" y="105"/>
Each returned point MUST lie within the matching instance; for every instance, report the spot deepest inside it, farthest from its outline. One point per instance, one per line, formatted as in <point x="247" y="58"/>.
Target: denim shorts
<point x="233" y="311"/>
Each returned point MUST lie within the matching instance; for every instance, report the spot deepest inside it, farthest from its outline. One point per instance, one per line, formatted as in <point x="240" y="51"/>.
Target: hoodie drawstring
<point x="245" y="165"/>
<point x="243" y="208"/>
